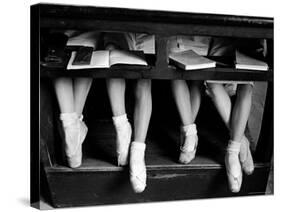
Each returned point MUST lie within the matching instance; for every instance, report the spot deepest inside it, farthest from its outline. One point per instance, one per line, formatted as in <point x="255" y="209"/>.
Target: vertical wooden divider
<point x="161" y="53"/>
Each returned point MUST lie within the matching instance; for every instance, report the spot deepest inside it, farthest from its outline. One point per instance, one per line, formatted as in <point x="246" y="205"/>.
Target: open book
<point x="189" y="60"/>
<point x="107" y="58"/>
<point x="246" y="62"/>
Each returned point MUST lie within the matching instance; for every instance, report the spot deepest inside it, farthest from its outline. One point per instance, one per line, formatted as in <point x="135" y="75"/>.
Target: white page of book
<point x="99" y="59"/>
<point x="125" y="57"/>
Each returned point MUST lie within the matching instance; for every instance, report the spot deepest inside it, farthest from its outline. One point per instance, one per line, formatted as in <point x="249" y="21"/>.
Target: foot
<point x="123" y="138"/>
<point x="75" y="132"/>
<point x="189" y="142"/>
<point x="245" y="157"/>
<point x="137" y="167"/>
<point x="233" y="167"/>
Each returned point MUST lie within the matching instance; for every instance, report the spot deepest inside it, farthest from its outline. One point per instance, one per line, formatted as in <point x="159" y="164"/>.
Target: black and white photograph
<point x="139" y="103"/>
<point x="148" y="105"/>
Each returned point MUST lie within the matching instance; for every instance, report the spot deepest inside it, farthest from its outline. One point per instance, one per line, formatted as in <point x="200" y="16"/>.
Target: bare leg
<point x="221" y="101"/>
<point x="81" y="90"/>
<point x="195" y="97"/>
<point x="223" y="104"/>
<point x="116" y="92"/>
<point x="182" y="98"/>
<point x="64" y="93"/>
<point x="142" y="114"/>
<point x="73" y="135"/>
<point x="241" y="111"/>
<point x="240" y="114"/>
<point x="237" y="126"/>
<point x="188" y="136"/>
<point x="143" y="109"/>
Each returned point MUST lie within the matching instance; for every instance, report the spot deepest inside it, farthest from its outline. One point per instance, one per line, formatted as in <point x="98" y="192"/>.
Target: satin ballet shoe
<point x="137" y="167"/>
<point x="123" y="138"/>
<point x="233" y="167"/>
<point x="83" y="129"/>
<point x="75" y="160"/>
<point x="245" y="157"/>
<point x="75" y="133"/>
<point x="189" y="142"/>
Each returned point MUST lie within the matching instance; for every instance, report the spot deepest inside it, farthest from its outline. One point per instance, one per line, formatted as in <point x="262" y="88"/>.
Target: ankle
<point x="189" y="129"/>
<point x="119" y="121"/>
<point x="137" y="150"/>
<point x="138" y="146"/>
<point x="68" y="119"/>
<point x="233" y="147"/>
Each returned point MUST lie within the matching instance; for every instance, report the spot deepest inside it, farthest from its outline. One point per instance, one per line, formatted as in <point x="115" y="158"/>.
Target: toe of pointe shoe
<point x="123" y="145"/>
<point x="233" y="181"/>
<point x="246" y="158"/>
<point x="248" y="167"/>
<point x="186" y="157"/>
<point x="74" y="161"/>
<point x="138" y="188"/>
<point x="122" y="159"/>
<point x="137" y="185"/>
<point x="234" y="185"/>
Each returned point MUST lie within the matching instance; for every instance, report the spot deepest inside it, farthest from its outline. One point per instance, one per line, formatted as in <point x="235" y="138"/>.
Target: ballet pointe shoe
<point x="75" y="134"/>
<point x="189" y="142"/>
<point x="83" y="129"/>
<point x="137" y="167"/>
<point x="245" y="156"/>
<point x="233" y="167"/>
<point x="123" y="138"/>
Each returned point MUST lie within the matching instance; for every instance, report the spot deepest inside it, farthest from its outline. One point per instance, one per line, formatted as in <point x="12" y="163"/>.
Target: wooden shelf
<point x="153" y="21"/>
<point x="136" y="72"/>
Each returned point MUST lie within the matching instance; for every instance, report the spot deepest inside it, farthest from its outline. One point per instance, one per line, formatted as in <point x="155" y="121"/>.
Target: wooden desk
<point x="94" y="184"/>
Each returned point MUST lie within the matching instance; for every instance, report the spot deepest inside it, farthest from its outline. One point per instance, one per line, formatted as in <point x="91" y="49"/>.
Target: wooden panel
<point x="95" y="188"/>
<point x="171" y="72"/>
<point x="158" y="28"/>
<point x="130" y="72"/>
<point x="48" y="123"/>
<point x="155" y="22"/>
<point x="161" y="52"/>
<point x="105" y="13"/>
<point x="228" y="74"/>
<point x="264" y="150"/>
